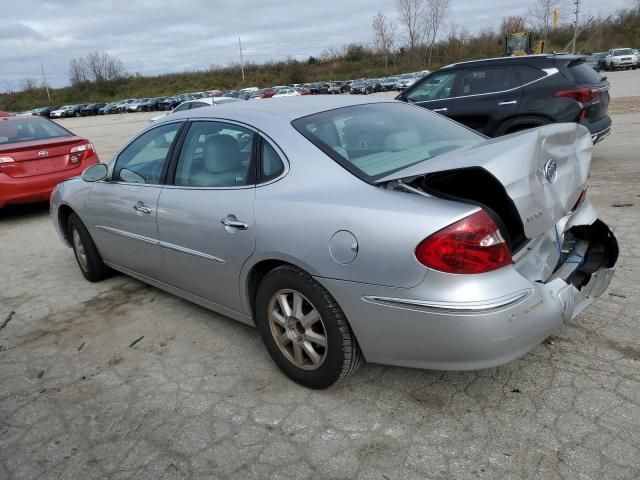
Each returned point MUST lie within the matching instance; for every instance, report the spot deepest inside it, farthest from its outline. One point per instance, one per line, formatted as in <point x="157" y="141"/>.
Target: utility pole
<point x="241" y="61"/>
<point x="44" y="79"/>
<point x="575" y="25"/>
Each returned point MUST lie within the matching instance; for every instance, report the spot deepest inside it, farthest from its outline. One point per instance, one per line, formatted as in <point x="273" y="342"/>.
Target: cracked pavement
<point x="198" y="397"/>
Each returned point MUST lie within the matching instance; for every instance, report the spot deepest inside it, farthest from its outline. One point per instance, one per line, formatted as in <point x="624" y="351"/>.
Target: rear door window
<point x="487" y="80"/>
<point x="527" y="74"/>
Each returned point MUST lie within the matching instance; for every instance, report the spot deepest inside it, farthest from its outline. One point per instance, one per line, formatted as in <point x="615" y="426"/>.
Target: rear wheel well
<point x="63" y="218"/>
<point x="518" y="124"/>
<point x="257" y="273"/>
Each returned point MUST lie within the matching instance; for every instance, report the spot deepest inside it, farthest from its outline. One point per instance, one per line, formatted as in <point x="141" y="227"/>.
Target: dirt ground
<point x="198" y="397"/>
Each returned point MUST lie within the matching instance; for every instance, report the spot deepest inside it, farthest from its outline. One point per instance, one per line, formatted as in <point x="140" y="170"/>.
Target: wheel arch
<point x="530" y="121"/>
<point x="64" y="212"/>
<point x="258" y="270"/>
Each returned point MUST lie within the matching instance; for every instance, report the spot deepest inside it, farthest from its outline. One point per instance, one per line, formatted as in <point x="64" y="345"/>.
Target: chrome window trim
<point x="548" y="71"/>
<point x="262" y="134"/>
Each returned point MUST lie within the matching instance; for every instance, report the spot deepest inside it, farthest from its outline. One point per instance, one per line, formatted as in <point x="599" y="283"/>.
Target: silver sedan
<point x="349" y="229"/>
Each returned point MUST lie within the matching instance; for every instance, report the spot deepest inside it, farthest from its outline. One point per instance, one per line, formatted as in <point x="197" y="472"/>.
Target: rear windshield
<point x="375" y="140"/>
<point x="584" y="73"/>
<point x="16" y="131"/>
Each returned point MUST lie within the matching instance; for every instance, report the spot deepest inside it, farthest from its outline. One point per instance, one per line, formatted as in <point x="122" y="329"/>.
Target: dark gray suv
<point x="504" y="95"/>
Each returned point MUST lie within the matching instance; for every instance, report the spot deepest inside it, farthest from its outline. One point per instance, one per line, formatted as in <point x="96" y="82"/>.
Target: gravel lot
<point x="198" y="396"/>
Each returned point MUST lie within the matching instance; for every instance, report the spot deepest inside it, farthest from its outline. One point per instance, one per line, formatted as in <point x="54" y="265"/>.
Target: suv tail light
<point x="81" y="152"/>
<point x="582" y="95"/>
<point x="471" y="245"/>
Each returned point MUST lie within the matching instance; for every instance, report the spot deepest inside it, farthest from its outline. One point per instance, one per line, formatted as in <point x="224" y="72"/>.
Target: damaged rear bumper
<point x="467" y="322"/>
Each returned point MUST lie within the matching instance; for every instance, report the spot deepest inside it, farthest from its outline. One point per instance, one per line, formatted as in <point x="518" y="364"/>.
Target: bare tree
<point x="512" y="24"/>
<point x="8" y="87"/>
<point x="103" y="67"/>
<point x="436" y="11"/>
<point x="78" y="71"/>
<point x="29" y="84"/>
<point x="384" y="36"/>
<point x="411" y="15"/>
<point x="541" y="14"/>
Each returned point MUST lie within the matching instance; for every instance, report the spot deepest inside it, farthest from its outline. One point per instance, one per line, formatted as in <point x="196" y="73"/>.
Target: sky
<point x="159" y="36"/>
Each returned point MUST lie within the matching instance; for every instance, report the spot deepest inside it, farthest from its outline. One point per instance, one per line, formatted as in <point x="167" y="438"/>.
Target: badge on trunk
<point x="551" y="170"/>
<point x="43" y="153"/>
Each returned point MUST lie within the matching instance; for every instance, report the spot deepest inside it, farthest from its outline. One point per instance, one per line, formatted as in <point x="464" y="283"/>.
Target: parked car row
<point x="615" y="59"/>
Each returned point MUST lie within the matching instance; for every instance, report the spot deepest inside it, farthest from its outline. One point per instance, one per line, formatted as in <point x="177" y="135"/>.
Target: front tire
<point x="304" y="329"/>
<point x="85" y="251"/>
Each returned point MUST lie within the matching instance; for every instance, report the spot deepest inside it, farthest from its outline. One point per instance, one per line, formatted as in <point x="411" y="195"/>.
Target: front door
<point x="124" y="209"/>
<point x="435" y="92"/>
<point x="206" y="223"/>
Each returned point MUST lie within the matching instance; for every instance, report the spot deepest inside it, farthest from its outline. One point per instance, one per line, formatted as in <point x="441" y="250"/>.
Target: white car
<point x="200" y="102"/>
<point x="406" y="80"/>
<point x="286" y="92"/>
<point x="136" y="105"/>
<point x="59" y="113"/>
<point x="620" y="58"/>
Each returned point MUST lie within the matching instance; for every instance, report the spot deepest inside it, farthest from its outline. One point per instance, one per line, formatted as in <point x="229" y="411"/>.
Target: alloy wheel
<point x="297" y="329"/>
<point x="78" y="246"/>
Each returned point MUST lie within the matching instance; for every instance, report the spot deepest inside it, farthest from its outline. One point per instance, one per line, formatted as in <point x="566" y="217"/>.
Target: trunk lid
<point x="29" y="159"/>
<point x="524" y="164"/>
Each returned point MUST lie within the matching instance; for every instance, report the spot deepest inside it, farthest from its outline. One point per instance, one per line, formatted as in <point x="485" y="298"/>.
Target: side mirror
<point x="95" y="173"/>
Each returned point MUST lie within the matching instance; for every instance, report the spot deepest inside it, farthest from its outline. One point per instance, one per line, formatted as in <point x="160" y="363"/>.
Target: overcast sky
<point x="158" y="36"/>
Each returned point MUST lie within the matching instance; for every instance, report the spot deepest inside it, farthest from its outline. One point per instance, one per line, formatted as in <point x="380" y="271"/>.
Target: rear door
<point x="206" y="223"/>
<point x="123" y="211"/>
<point x="488" y="96"/>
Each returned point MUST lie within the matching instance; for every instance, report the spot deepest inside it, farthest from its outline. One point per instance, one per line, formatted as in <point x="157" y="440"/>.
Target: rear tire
<point x="85" y="251"/>
<point x="304" y="329"/>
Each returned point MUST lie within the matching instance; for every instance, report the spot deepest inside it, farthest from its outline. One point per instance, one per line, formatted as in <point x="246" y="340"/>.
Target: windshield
<point x="623" y="51"/>
<point x="16" y="131"/>
<point x="406" y="76"/>
<point x="375" y="140"/>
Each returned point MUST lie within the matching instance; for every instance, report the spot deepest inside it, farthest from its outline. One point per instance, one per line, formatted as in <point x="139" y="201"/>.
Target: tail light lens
<point x="582" y="95"/>
<point x="471" y="245"/>
<point x="81" y="152"/>
<point x="4" y="160"/>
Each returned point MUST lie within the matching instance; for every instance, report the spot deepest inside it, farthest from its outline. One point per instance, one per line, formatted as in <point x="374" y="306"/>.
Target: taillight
<point x="582" y="95"/>
<point x="471" y="245"/>
<point x="6" y="160"/>
<point x="81" y="152"/>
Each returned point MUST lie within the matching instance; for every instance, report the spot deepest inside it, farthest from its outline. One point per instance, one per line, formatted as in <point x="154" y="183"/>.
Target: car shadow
<point x="25" y="211"/>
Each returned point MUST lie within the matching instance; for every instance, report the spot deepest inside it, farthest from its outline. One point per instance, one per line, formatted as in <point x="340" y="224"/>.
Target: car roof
<point x="515" y="59"/>
<point x="259" y="112"/>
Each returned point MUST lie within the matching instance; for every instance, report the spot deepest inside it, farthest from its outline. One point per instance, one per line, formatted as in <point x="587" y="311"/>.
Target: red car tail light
<point x="6" y="160"/>
<point x="81" y="152"/>
<point x="582" y="95"/>
<point x="471" y="245"/>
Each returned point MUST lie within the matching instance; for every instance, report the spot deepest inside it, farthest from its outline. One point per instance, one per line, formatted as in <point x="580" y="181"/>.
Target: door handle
<point x="230" y="221"/>
<point x="141" y="207"/>
<point x="440" y="109"/>
<point x="510" y="102"/>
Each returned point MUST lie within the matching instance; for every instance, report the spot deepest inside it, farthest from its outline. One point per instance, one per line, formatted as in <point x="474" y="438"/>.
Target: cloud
<point x="159" y="36"/>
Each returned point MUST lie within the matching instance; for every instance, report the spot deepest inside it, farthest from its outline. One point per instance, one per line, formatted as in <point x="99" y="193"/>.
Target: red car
<point x="35" y="155"/>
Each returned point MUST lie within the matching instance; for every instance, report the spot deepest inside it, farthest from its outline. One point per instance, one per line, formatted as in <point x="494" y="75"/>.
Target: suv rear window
<point x="377" y="139"/>
<point x="583" y="73"/>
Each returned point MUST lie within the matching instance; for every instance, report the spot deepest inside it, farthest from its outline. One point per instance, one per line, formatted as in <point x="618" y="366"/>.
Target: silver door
<point x="123" y="210"/>
<point x="206" y="223"/>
